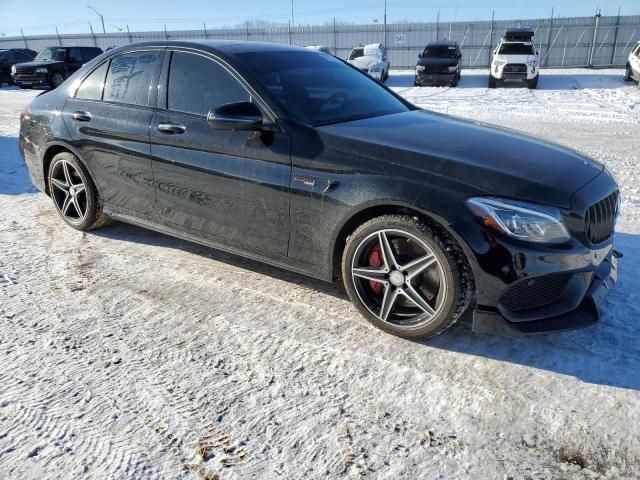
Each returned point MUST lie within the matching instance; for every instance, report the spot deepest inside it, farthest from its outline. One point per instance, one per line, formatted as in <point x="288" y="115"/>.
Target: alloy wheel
<point x="398" y="278"/>
<point x="69" y="192"/>
<point x="56" y="80"/>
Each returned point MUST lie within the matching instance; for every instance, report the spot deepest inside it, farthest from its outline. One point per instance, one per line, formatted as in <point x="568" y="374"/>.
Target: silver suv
<point x="372" y="59"/>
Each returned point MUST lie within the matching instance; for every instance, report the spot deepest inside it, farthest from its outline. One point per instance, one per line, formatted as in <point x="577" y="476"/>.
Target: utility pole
<point x="95" y="44"/>
<point x="100" y="15"/>
<point x="615" y="39"/>
<point x="493" y="13"/>
<point x="293" y="23"/>
<point x="438" y="26"/>
<point x="385" y="23"/>
<point x="595" y="36"/>
<point x="546" y="57"/>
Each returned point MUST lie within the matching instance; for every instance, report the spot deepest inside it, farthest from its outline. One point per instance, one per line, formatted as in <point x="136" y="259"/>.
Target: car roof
<point x="442" y="43"/>
<point x="222" y="47"/>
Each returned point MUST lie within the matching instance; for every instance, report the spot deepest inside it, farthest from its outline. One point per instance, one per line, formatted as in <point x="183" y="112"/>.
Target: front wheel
<point x="533" y="83"/>
<point x="56" y="80"/>
<point x="405" y="277"/>
<point x="74" y="194"/>
<point x="627" y="74"/>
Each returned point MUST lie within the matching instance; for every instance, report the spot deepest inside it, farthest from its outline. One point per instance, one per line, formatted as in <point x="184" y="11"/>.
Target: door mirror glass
<point x="235" y="116"/>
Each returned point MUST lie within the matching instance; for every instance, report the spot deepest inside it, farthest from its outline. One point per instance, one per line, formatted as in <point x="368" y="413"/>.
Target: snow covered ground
<point x="128" y="354"/>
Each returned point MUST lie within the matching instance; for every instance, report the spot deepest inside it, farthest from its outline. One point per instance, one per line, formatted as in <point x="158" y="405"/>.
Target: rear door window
<point x="130" y="77"/>
<point x="197" y="84"/>
<point x="92" y="86"/>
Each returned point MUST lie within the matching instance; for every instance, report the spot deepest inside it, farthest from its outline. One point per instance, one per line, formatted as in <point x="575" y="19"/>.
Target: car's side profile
<point x="295" y="158"/>
<point x="632" y="69"/>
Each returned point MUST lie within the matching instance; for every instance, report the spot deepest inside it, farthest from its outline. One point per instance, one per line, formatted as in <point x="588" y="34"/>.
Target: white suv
<point x="633" y="65"/>
<point x="372" y="59"/>
<point x="515" y="59"/>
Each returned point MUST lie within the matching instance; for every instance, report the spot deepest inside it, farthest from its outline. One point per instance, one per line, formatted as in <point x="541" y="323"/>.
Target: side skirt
<point x="285" y="263"/>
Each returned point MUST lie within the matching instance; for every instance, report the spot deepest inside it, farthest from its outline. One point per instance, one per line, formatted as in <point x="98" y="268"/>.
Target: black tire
<point x="56" y="80"/>
<point x="94" y="217"/>
<point x="454" y="82"/>
<point x="627" y="74"/>
<point x="533" y="83"/>
<point x="492" y="82"/>
<point x="457" y="276"/>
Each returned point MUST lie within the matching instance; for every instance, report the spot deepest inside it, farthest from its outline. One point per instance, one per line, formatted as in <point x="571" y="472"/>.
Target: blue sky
<point x="41" y="17"/>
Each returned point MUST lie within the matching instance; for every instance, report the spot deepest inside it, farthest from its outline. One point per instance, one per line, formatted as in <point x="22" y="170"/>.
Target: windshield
<point x="356" y="53"/>
<point x="440" y="52"/>
<point x="319" y="89"/>
<point x="51" y="54"/>
<point x="516" y="49"/>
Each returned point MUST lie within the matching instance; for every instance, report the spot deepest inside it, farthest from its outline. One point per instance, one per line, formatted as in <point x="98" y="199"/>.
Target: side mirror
<point x="235" y="116"/>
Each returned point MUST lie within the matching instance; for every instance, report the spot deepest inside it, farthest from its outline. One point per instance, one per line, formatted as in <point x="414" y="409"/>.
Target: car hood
<point x="490" y="160"/>
<point x="38" y="64"/>
<point x="437" y="61"/>
<point x="367" y="61"/>
<point x="516" y="58"/>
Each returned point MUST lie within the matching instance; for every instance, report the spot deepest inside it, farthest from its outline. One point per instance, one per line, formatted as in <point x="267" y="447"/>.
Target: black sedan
<point x="295" y="158"/>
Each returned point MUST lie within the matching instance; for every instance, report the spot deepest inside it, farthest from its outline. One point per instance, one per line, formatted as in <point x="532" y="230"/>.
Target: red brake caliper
<point x="375" y="260"/>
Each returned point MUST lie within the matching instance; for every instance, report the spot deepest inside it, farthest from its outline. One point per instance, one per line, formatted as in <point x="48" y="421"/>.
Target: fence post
<point x="95" y="44"/>
<point x="289" y="27"/>
<point x="335" y="37"/>
<point x="129" y="34"/>
<point x="166" y="36"/>
<point x="491" y="36"/>
<point x="58" y="35"/>
<point x="548" y="47"/>
<point x="593" y="40"/>
<point x="385" y="23"/>
<point x="615" y="39"/>
<point x="438" y="25"/>
<point x="24" y="39"/>
<point x="204" y="29"/>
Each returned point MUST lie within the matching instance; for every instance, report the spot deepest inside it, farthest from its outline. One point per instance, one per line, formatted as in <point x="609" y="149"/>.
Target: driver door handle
<point x="80" y="116"/>
<point x="171" y="128"/>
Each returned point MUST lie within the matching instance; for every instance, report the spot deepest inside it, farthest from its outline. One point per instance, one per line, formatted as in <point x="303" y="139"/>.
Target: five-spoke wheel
<point x="402" y="278"/>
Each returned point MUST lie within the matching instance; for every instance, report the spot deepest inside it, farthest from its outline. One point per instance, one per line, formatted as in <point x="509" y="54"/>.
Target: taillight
<point x="24" y="114"/>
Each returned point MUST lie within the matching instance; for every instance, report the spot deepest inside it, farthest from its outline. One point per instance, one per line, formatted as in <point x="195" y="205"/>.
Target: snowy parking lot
<point x="128" y="354"/>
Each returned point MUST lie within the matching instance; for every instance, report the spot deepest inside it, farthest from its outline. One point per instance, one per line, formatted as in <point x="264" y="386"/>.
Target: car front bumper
<point x="424" y="79"/>
<point x="31" y="80"/>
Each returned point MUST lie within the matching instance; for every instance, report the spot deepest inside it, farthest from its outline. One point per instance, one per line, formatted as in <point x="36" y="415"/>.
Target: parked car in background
<point x="515" y="60"/>
<point x="319" y="48"/>
<point x="632" y="71"/>
<point x="299" y="160"/>
<point x="372" y="59"/>
<point x="9" y="57"/>
<point x="439" y="64"/>
<point x="52" y="66"/>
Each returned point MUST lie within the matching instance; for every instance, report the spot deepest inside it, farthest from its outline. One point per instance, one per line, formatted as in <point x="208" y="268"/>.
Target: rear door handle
<point x="171" y="128"/>
<point x="80" y="116"/>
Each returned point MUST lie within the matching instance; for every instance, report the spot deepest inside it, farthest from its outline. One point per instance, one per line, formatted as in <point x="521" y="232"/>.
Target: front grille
<point x="24" y="71"/>
<point x="436" y="69"/>
<point x="600" y="219"/>
<point x="536" y="292"/>
<point x="515" y="68"/>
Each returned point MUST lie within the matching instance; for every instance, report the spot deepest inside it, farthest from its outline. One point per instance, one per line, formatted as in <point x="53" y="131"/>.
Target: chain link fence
<point x="562" y="42"/>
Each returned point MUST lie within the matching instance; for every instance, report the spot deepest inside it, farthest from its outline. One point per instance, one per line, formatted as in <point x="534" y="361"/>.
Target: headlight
<point x="13" y="69"/>
<point x="499" y="62"/>
<point x="522" y="220"/>
<point x="453" y="68"/>
<point x="533" y="63"/>
<point x="41" y="70"/>
<point x="419" y="68"/>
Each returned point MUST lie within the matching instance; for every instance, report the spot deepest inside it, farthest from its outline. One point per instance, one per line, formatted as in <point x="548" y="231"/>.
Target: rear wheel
<point x="405" y="277"/>
<point x="74" y="194"/>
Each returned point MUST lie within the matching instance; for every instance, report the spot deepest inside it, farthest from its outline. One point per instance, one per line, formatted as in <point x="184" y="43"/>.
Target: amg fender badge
<point x="308" y="181"/>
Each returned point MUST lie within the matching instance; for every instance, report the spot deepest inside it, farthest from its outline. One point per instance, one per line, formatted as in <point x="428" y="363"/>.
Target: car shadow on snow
<point x="548" y="80"/>
<point x="14" y="178"/>
<point x="606" y="354"/>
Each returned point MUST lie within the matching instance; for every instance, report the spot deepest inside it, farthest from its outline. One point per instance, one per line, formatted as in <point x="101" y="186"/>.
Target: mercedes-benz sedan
<point x="297" y="159"/>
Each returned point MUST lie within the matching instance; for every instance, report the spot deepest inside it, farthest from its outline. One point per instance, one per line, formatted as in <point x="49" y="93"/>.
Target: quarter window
<point x="197" y="84"/>
<point x="130" y="78"/>
<point x="92" y="86"/>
